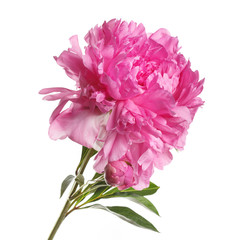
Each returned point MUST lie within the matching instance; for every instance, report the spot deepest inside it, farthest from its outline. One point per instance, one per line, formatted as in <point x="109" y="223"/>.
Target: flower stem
<point x="85" y="160"/>
<point x="60" y="220"/>
<point x="67" y="205"/>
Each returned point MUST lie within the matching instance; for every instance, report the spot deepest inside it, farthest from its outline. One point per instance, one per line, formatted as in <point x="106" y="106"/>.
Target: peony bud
<point x="119" y="174"/>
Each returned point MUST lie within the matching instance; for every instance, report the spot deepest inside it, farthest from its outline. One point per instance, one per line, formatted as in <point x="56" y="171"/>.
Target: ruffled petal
<point x="80" y="125"/>
<point x="115" y="148"/>
<point x="163" y="37"/>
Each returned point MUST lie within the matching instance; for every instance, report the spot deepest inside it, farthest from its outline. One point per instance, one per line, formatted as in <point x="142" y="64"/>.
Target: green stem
<point x="60" y="220"/>
<point x="67" y="205"/>
<point x="85" y="161"/>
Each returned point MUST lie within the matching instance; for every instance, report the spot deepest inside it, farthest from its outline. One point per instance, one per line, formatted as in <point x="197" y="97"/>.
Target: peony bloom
<point x="135" y="98"/>
<point x="119" y="174"/>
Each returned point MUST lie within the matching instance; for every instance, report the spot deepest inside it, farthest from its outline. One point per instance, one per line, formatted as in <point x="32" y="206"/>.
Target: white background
<point x="199" y="194"/>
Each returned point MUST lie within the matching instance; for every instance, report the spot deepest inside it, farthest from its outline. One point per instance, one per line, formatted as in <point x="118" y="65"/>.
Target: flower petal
<point x="80" y="125"/>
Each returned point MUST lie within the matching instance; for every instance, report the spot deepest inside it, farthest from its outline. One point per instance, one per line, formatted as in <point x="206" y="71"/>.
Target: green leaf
<point x="80" y="179"/>
<point x="85" y="151"/>
<point x="81" y="198"/>
<point x="141" y="200"/>
<point x="98" y="193"/>
<point x="126" y="214"/>
<point x="90" y="188"/>
<point x="146" y="191"/>
<point x="96" y="175"/>
<point x="66" y="183"/>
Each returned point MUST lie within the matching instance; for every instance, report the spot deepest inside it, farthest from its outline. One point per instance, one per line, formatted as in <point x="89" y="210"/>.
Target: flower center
<point x="146" y="68"/>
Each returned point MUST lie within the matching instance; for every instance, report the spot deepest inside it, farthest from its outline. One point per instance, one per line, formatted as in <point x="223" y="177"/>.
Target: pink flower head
<point x="119" y="174"/>
<point x="135" y="98"/>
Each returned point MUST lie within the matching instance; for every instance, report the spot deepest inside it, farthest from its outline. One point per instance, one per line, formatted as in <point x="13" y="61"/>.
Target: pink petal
<point x="156" y="99"/>
<point x="75" y="45"/>
<point x="54" y="89"/>
<point x="80" y="125"/>
<point x="163" y="37"/>
<point x="162" y="159"/>
<point x="115" y="147"/>
<point x="146" y="159"/>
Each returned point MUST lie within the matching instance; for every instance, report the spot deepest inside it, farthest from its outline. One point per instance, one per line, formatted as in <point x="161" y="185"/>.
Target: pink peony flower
<point x="119" y="174"/>
<point x="135" y="98"/>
